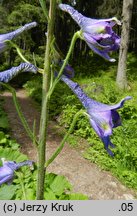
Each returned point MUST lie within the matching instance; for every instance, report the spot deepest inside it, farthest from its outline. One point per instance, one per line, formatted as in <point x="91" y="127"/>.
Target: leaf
<point x="7" y="192"/>
<point x="49" y="195"/>
<point x="3" y="138"/>
<point x="59" y="185"/>
<point x="78" y="197"/>
<point x="12" y="155"/>
<point x="50" y="178"/>
<point x="30" y="194"/>
<point x="3" y="122"/>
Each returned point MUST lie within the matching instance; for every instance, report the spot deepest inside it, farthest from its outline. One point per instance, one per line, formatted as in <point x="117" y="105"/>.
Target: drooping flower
<point x="68" y="70"/>
<point x="7" y="75"/>
<point x="13" y="34"/>
<point x="8" y="168"/>
<point x="97" y="33"/>
<point x="103" y="118"/>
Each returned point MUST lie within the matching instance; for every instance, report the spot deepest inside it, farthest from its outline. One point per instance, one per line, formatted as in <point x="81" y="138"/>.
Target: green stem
<point x="22" y="56"/>
<point x="58" y="150"/>
<point x="20" y="114"/>
<point x="18" y="50"/>
<point x="45" y="103"/>
<point x="44" y="8"/>
<point x="73" y="41"/>
<point x="23" y="190"/>
<point x="20" y="177"/>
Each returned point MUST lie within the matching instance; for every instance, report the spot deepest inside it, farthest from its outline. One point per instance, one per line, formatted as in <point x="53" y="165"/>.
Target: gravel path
<point x="85" y="177"/>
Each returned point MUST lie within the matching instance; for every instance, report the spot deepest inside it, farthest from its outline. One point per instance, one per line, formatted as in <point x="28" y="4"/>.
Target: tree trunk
<point x="126" y="15"/>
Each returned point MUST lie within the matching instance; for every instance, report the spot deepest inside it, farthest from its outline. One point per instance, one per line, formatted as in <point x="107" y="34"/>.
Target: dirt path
<point x="85" y="177"/>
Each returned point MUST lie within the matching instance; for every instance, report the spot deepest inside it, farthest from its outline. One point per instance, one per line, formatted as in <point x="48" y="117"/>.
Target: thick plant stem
<point x="58" y="150"/>
<point x="73" y="41"/>
<point x="45" y="104"/>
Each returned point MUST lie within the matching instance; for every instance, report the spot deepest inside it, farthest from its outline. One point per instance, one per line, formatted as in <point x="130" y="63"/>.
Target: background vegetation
<point x="95" y="76"/>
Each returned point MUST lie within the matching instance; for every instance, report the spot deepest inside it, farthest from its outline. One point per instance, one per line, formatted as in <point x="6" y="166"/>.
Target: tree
<point x="121" y="79"/>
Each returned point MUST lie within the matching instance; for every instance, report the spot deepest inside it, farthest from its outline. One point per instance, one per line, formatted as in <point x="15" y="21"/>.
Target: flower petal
<point x="100" y="107"/>
<point x="7" y="75"/>
<point x="107" y="143"/>
<point x="11" y="35"/>
<point x="94" y="40"/>
<point x="103" y="118"/>
<point x="97" y="33"/>
<point x="105" y="139"/>
<point x="118" y="105"/>
<point x="102" y="53"/>
<point x="115" y="118"/>
<point x="103" y="121"/>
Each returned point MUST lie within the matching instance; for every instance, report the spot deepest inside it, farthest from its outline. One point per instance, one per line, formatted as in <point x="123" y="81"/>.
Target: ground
<point x="86" y="177"/>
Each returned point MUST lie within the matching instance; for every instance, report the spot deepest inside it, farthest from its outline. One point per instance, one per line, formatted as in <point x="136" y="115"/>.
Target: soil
<point x="86" y="177"/>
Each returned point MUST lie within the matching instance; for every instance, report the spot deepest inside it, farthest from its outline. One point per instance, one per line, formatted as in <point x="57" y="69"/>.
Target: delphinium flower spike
<point x="97" y="33"/>
<point x="8" y="168"/>
<point x="13" y="34"/>
<point x="103" y="118"/>
<point x="7" y="75"/>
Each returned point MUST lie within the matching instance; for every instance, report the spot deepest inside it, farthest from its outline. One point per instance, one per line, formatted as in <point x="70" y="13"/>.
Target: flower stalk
<point x="73" y="41"/>
<point x="20" y="114"/>
<point x="59" y="149"/>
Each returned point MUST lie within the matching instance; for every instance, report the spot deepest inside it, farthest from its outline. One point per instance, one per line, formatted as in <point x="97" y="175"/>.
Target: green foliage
<point x="24" y="13"/>
<point x="4" y="125"/>
<point x="7" y="192"/>
<point x="132" y="66"/>
<point x="98" y="81"/>
<point x="24" y="187"/>
<point x="60" y="96"/>
<point x="24" y="183"/>
<point x="34" y="88"/>
<point x="7" y="142"/>
<point x="58" y="187"/>
<point x="12" y="155"/>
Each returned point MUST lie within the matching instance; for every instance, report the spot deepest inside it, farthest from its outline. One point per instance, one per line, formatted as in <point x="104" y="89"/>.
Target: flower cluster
<point x="97" y="33"/>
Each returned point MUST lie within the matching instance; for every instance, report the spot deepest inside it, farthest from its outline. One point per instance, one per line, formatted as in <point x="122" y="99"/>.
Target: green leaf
<point x="59" y="185"/>
<point x="49" y="195"/>
<point x="3" y="122"/>
<point x="3" y="138"/>
<point x="78" y="197"/>
<point x="30" y="194"/>
<point x="50" y="178"/>
<point x="7" y="192"/>
<point x="12" y="155"/>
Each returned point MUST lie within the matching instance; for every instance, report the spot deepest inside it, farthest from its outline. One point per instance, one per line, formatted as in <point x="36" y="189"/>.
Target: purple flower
<point x="8" y="168"/>
<point x="7" y="75"/>
<point x="11" y="35"/>
<point x="97" y="33"/>
<point x="103" y="118"/>
<point x="68" y="70"/>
